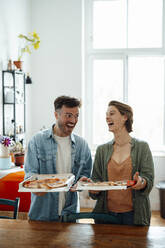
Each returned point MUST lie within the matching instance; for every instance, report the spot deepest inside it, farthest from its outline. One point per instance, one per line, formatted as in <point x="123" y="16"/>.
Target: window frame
<point x="90" y="54"/>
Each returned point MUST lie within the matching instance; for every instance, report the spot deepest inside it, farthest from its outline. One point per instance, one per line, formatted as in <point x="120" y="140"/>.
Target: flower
<point x="6" y="141"/>
<point x="32" y="40"/>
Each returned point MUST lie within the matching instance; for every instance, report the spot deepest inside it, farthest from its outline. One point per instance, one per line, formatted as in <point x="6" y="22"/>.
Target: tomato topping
<point x="131" y="182"/>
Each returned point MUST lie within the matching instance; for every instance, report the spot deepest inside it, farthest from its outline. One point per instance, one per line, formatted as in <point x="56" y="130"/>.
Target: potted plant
<point x="30" y="41"/>
<point x="19" y="153"/>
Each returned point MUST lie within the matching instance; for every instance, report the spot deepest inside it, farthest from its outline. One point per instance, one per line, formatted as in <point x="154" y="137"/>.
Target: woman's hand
<point x="140" y="182"/>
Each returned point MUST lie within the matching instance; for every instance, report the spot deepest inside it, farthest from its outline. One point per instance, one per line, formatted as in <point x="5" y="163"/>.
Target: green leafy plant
<point x="31" y="41"/>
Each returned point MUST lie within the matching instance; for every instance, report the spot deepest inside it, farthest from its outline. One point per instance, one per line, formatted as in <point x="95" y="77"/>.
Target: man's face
<point x="66" y="120"/>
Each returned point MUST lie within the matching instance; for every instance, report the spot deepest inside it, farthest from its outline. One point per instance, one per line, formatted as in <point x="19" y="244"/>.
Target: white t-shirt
<point x="63" y="163"/>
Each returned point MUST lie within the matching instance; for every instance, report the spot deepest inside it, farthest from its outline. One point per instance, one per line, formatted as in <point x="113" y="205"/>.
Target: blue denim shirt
<point x="41" y="159"/>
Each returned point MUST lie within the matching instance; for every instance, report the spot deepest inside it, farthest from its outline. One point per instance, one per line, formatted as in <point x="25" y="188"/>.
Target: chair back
<point x="14" y="203"/>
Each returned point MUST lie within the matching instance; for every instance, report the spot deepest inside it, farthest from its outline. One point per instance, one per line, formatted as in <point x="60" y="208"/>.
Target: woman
<point x="123" y="158"/>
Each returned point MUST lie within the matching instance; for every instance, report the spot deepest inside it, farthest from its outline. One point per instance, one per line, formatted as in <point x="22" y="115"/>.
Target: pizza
<point x="109" y="183"/>
<point x="47" y="183"/>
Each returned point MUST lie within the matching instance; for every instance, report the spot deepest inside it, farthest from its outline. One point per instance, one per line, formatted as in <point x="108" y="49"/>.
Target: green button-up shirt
<point x="142" y="162"/>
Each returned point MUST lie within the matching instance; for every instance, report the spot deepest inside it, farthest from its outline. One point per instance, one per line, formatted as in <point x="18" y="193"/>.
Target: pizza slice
<point x="47" y="183"/>
<point x="110" y="183"/>
<point x="30" y="184"/>
<point x="95" y="184"/>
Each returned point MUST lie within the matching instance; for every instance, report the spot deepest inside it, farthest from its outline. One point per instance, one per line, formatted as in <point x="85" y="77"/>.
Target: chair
<point x="14" y="203"/>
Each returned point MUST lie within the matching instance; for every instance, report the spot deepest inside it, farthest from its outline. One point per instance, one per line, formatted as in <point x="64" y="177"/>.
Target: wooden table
<point x="21" y="233"/>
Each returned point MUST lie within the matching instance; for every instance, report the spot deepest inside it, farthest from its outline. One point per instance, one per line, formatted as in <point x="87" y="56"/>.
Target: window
<point x="125" y="60"/>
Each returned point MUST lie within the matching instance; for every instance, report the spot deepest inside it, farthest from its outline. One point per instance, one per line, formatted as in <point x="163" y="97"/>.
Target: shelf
<point x="9" y="87"/>
<point x="14" y="71"/>
<point x="13" y="91"/>
<point x="12" y="103"/>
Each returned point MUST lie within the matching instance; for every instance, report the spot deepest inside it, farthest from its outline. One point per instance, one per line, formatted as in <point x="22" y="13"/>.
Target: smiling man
<point x="66" y="114"/>
<point x="58" y="150"/>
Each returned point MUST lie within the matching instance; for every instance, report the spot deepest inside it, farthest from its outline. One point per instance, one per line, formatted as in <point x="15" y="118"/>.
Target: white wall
<point x="56" y="67"/>
<point x="15" y="18"/>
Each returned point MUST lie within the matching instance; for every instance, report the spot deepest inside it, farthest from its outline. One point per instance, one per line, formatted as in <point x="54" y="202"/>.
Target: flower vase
<point x="4" y="151"/>
<point x="18" y="64"/>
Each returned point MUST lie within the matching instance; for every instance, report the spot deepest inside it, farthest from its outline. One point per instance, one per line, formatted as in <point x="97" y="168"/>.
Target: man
<point x="58" y="150"/>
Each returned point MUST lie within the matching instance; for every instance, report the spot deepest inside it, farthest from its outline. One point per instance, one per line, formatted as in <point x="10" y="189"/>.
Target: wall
<point x="56" y="67"/>
<point x="15" y="18"/>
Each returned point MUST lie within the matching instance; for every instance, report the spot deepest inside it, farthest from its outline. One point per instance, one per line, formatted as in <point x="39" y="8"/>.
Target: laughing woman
<point x="123" y="158"/>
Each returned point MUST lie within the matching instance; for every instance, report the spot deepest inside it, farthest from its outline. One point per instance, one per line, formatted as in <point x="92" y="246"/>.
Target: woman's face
<point x="115" y="121"/>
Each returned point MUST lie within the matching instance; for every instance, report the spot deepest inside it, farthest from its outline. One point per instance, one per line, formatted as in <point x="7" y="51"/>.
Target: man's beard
<point x="65" y="129"/>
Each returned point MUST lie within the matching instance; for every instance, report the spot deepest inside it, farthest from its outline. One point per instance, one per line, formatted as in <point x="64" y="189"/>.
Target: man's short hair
<point x="67" y="101"/>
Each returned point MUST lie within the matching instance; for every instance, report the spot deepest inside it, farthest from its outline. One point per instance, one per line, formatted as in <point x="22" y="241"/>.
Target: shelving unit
<point x="13" y="93"/>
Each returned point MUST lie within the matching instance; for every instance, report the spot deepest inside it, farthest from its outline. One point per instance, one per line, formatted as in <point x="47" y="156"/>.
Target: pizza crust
<point x="47" y="183"/>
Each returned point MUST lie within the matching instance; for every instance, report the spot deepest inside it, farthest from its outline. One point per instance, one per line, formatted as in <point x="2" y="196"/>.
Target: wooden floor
<point x="156" y="219"/>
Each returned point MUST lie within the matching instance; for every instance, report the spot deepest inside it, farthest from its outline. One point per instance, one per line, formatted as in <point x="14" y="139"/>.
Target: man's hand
<point x="86" y="179"/>
<point x="141" y="182"/>
<point x="74" y="187"/>
<point x="93" y="191"/>
<point x="90" y="181"/>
